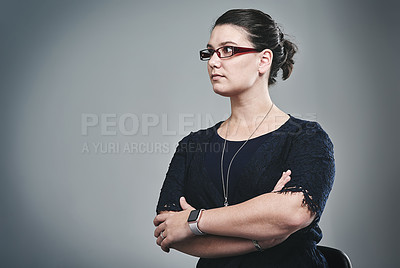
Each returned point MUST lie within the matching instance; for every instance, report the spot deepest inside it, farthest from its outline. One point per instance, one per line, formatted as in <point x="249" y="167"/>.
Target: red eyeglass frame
<point x="235" y="51"/>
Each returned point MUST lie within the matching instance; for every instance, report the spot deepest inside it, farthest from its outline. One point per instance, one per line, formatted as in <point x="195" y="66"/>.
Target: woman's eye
<point x="227" y="49"/>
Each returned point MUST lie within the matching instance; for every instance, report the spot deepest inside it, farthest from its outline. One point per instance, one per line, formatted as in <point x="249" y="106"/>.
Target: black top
<point x="299" y="145"/>
<point x="212" y="160"/>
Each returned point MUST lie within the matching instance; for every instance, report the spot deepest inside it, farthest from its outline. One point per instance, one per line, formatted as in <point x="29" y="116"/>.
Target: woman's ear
<point x="266" y="61"/>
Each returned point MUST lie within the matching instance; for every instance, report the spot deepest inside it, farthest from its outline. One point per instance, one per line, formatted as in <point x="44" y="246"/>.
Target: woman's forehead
<point x="228" y="34"/>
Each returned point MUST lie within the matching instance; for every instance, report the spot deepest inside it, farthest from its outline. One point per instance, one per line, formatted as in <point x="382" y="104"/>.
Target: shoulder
<point x="309" y="133"/>
<point x="301" y="128"/>
<point x="201" y="135"/>
<point x="197" y="141"/>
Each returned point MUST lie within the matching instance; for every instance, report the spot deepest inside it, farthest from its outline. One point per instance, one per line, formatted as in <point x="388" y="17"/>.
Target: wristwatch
<point x="193" y="220"/>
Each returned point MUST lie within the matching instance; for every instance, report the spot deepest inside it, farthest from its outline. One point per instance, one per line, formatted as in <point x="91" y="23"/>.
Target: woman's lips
<point x="216" y="77"/>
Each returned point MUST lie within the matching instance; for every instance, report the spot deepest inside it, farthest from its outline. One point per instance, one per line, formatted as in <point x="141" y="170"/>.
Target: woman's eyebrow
<point x="222" y="44"/>
<point x="227" y="42"/>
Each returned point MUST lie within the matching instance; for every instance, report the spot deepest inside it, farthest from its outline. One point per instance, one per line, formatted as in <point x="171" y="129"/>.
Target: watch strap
<point x="194" y="226"/>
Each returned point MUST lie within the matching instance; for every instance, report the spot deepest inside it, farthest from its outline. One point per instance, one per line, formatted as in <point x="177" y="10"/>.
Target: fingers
<point x="164" y="246"/>
<point x="184" y="204"/>
<point x="160" y="218"/>
<point x="162" y="242"/>
<point x="285" y="178"/>
<point x="159" y="240"/>
<point x="159" y="229"/>
<point x="172" y="227"/>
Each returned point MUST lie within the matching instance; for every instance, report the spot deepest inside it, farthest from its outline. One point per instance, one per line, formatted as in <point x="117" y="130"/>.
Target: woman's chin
<point x="222" y="92"/>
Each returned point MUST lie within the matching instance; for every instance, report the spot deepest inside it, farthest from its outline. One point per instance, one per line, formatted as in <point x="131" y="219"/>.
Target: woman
<point x="249" y="191"/>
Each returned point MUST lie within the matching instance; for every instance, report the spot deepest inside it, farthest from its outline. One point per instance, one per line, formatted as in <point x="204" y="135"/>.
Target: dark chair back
<point x="335" y="257"/>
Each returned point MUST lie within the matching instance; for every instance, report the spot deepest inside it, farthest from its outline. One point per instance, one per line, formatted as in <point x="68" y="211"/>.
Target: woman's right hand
<point x="285" y="178"/>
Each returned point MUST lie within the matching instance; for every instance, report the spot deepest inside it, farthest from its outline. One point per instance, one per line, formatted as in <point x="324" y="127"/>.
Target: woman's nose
<point x="214" y="61"/>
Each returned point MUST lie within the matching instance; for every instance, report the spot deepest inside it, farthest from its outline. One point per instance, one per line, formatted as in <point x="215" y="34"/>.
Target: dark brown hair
<point x="264" y="33"/>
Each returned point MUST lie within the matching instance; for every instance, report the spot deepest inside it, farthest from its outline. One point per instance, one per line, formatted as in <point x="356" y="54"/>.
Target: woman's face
<point x="233" y="75"/>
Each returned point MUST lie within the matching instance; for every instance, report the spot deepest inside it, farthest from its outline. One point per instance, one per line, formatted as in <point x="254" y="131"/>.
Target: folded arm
<point x="207" y="246"/>
<point x="212" y="246"/>
<point x="264" y="217"/>
<point x="269" y="218"/>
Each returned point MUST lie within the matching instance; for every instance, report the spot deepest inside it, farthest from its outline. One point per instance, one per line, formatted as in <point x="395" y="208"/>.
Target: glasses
<point x="225" y="52"/>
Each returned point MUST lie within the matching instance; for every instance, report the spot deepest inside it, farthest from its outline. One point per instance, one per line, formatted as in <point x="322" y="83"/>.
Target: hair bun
<point x="289" y="49"/>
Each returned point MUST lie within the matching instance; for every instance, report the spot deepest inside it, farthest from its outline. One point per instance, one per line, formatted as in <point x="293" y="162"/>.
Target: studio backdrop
<point x="95" y="96"/>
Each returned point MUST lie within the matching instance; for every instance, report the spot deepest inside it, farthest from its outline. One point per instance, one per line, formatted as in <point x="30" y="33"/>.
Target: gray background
<point x="61" y="207"/>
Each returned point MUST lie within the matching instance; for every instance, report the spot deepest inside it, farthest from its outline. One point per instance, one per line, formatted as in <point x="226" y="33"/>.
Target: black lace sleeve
<point x="173" y="185"/>
<point x="312" y="163"/>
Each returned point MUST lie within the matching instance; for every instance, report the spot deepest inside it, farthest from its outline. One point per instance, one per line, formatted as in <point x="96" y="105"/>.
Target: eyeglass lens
<point x="222" y="52"/>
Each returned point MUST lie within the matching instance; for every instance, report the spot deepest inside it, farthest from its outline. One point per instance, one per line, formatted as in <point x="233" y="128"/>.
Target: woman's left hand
<point x="172" y="226"/>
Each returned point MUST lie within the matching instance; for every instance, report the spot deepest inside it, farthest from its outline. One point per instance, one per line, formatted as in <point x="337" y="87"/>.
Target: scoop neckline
<point x="263" y="135"/>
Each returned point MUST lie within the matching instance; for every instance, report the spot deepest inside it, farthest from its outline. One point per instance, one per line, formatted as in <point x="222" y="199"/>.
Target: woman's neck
<point x="245" y="108"/>
<point x="252" y="111"/>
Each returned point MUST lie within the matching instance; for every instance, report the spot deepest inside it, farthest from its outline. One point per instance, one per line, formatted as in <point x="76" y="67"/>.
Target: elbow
<point x="288" y="224"/>
<point x="299" y="219"/>
<point x="297" y="216"/>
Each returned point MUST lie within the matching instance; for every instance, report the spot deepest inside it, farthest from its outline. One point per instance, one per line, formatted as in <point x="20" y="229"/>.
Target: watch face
<point x="193" y="215"/>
